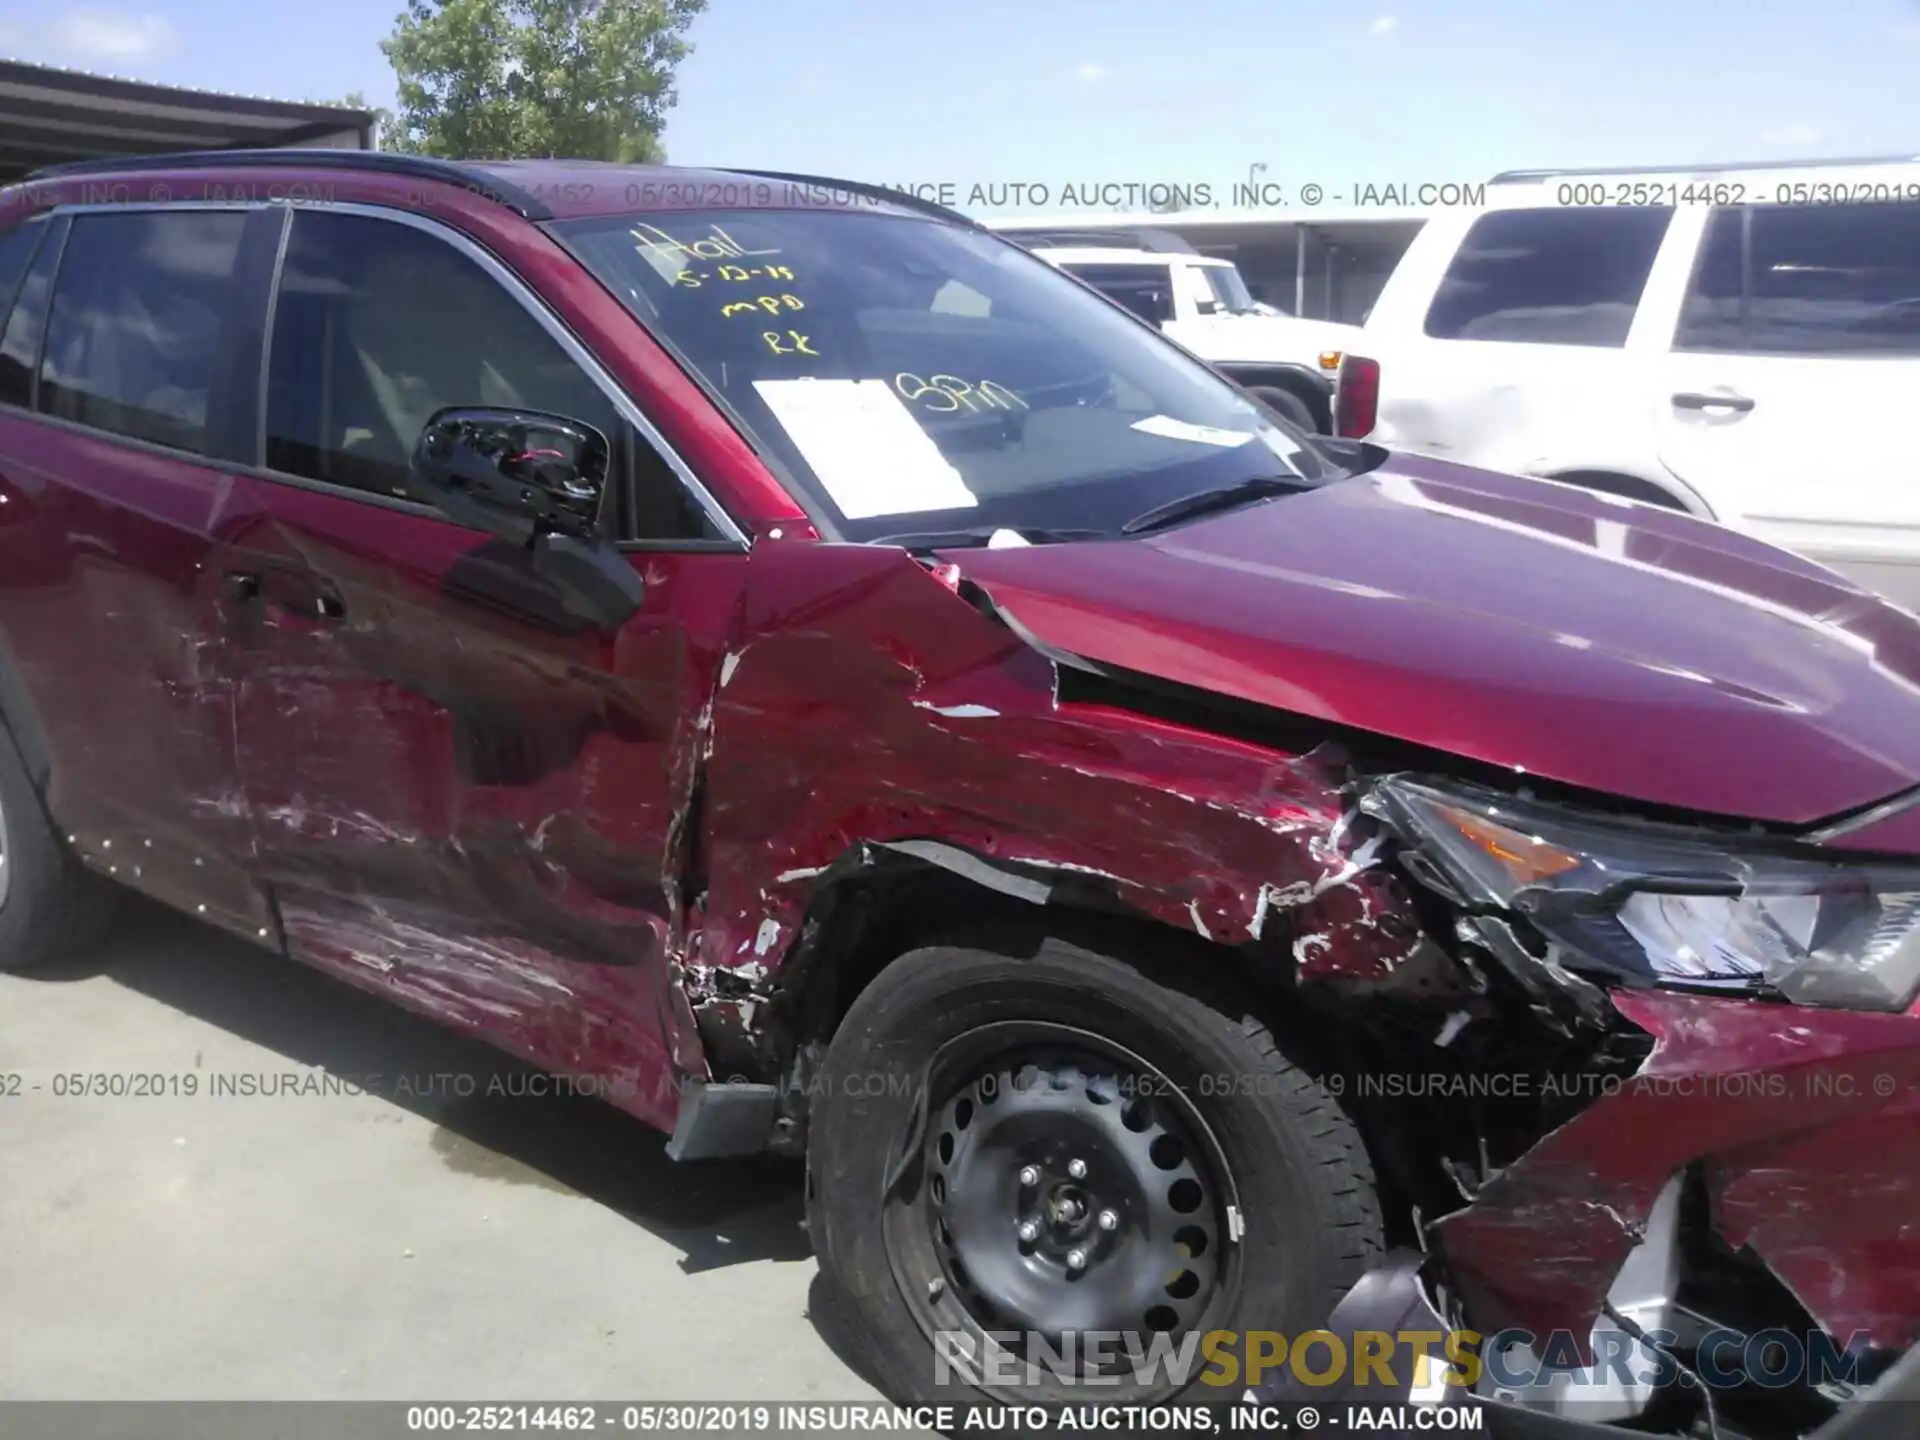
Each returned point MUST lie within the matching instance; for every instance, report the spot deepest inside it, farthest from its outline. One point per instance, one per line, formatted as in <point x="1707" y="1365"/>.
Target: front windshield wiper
<point x="978" y="535"/>
<point x="1205" y="502"/>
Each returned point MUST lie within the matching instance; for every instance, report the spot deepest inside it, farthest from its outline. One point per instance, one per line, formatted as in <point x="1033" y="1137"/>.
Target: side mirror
<point x="512" y="473"/>
<point x="537" y="480"/>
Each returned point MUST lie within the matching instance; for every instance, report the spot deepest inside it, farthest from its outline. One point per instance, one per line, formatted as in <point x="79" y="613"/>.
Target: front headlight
<point x="1677" y="906"/>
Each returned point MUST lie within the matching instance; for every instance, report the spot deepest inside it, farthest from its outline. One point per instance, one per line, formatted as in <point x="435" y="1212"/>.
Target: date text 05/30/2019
<point x="863" y="1417"/>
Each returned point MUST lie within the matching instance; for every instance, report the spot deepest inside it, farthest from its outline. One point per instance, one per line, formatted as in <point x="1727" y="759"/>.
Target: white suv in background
<point x="1203" y="304"/>
<point x="1742" y="343"/>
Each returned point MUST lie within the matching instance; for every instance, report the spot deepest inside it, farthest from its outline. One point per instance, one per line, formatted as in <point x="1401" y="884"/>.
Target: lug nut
<point x="1076" y="1259"/>
<point x="1030" y="1175"/>
<point x="1109" y="1220"/>
<point x="1029" y="1230"/>
<point x="1077" y="1169"/>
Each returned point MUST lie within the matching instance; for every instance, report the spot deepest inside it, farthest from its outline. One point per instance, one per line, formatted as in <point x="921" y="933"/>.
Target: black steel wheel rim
<point x="1063" y="1186"/>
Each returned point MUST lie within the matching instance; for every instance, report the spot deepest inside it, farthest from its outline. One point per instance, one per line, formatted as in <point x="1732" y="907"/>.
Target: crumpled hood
<point x="1604" y="644"/>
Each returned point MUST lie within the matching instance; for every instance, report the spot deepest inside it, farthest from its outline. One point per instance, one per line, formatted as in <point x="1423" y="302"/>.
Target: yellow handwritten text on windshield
<point x="763" y="305"/>
<point x="790" y="343"/>
<point x="715" y="244"/>
<point x="947" y="394"/>
<point x="693" y="279"/>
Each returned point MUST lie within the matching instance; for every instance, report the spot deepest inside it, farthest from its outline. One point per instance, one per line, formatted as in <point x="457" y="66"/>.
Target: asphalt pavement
<point x="442" y="1234"/>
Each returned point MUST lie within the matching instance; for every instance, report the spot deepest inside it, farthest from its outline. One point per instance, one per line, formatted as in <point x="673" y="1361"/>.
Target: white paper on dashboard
<point x="1278" y="442"/>
<point x="1174" y="429"/>
<point x="866" y="447"/>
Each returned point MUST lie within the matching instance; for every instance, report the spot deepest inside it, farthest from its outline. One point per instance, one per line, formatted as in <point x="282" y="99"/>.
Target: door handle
<point x="302" y="598"/>
<point x="1689" y="400"/>
<point x="240" y="586"/>
<point x="309" y="602"/>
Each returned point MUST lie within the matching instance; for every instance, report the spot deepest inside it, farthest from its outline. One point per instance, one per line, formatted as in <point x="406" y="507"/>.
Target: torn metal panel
<point x="871" y="703"/>
<point x="1835" y="1214"/>
<point x="1729" y="1083"/>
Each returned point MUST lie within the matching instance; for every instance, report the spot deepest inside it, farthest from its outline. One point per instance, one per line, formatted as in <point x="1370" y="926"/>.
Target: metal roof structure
<point x="53" y="117"/>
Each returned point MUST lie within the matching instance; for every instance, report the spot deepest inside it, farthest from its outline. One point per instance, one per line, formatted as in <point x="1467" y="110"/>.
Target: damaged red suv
<point x="780" y="652"/>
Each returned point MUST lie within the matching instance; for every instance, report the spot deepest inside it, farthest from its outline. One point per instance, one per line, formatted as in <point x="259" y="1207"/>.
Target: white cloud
<point x="1090" y="71"/>
<point x="107" y="36"/>
<point x="1385" y="25"/>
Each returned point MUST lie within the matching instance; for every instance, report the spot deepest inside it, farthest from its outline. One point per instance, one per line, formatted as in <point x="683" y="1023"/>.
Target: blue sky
<point x="1057" y="91"/>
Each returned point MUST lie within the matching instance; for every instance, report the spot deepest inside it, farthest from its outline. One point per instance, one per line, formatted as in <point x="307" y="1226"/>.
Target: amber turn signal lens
<point x="1526" y="860"/>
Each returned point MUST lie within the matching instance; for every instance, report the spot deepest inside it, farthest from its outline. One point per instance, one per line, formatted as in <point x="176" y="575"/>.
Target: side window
<point x="1713" y="316"/>
<point x="377" y="326"/>
<point x="1807" y="280"/>
<point x="1193" y="279"/>
<point x="134" y="334"/>
<point x="1144" y="289"/>
<point x="16" y="253"/>
<point x="1549" y="277"/>
<point x="25" y="320"/>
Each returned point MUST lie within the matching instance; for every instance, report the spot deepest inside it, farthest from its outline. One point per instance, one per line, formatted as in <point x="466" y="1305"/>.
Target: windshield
<point x="905" y="367"/>
<point x="1229" y="289"/>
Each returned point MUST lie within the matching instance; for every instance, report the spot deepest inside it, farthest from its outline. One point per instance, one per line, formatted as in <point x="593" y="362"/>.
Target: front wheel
<point x="1034" y="1147"/>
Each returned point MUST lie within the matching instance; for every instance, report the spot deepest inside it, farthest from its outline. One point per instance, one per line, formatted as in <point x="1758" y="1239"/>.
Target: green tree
<point x="506" y="79"/>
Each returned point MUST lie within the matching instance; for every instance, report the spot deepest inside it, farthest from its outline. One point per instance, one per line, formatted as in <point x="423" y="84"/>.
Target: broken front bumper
<point x="1805" y="1127"/>
<point x="1392" y="1299"/>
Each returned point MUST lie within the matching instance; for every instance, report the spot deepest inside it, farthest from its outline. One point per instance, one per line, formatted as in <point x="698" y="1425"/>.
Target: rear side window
<point x="20" y="324"/>
<point x="1146" y="290"/>
<point x="377" y="326"/>
<point x="1807" y="280"/>
<point x="16" y="253"/>
<point x="1549" y="277"/>
<point x="134" y="335"/>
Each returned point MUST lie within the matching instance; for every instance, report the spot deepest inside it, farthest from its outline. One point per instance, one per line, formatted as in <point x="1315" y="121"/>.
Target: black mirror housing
<point x="537" y="480"/>
<point x="517" y="474"/>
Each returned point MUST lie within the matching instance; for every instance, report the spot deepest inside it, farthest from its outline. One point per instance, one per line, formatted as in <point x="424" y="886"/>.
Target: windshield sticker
<point x="868" y="451"/>
<point x="1282" y="444"/>
<point x="1173" y="429"/>
<point x="945" y="394"/>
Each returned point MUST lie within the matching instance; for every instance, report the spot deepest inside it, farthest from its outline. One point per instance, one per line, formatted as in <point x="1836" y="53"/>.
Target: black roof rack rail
<point x="860" y="187"/>
<point x="1119" y="237"/>
<point x="1509" y="177"/>
<point x="383" y="162"/>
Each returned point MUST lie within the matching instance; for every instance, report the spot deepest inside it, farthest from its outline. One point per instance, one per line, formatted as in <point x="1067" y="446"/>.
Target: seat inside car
<point x="415" y="342"/>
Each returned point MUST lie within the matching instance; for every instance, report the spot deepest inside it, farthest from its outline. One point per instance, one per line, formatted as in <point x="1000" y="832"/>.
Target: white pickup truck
<point x="1202" y="303"/>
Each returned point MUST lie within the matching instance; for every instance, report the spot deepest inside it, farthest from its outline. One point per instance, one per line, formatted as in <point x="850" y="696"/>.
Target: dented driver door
<point x="463" y="795"/>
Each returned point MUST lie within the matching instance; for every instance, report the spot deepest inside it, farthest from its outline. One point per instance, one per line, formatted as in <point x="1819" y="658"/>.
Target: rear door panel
<point x="107" y="604"/>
